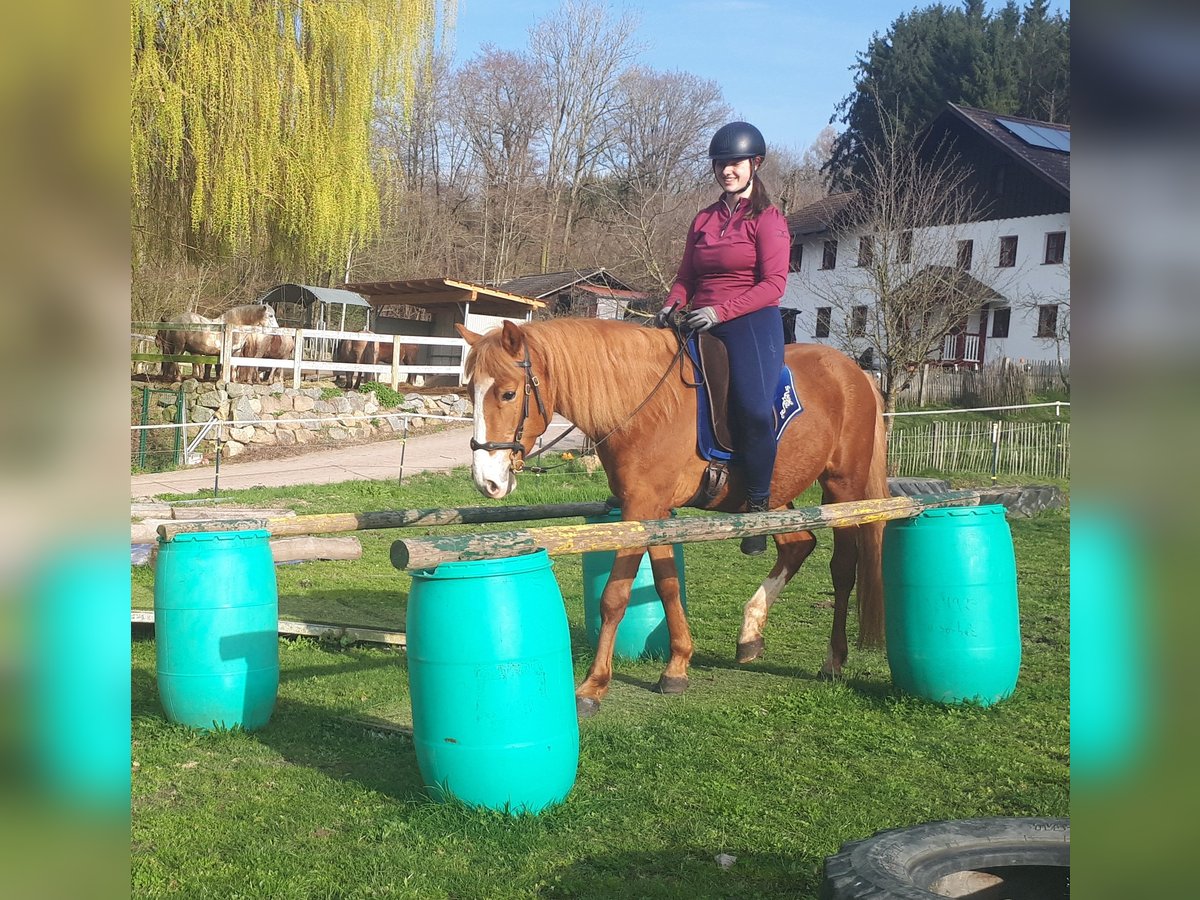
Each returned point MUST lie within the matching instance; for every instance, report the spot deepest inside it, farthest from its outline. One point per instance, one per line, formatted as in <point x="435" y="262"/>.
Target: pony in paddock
<point x="208" y="343"/>
<point x="264" y="346"/>
<point x="627" y="388"/>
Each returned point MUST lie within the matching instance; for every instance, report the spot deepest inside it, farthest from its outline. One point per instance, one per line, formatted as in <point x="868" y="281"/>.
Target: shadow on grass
<point x="686" y="872"/>
<point x="326" y="741"/>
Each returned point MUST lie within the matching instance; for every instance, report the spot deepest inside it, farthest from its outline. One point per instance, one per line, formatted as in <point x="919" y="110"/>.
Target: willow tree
<point x="251" y="120"/>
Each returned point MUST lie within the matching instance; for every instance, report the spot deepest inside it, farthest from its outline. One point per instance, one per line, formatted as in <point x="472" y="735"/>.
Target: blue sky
<point x="788" y="85"/>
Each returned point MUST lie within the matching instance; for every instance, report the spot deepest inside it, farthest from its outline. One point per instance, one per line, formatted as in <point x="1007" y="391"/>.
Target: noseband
<point x="532" y="386"/>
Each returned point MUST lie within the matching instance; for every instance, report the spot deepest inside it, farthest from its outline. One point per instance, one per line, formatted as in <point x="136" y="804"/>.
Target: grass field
<point x="761" y="762"/>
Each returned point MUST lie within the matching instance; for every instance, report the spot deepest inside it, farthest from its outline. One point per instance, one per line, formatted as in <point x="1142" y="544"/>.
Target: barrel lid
<point x="487" y="568"/>
<point x="962" y="512"/>
<point x="199" y="537"/>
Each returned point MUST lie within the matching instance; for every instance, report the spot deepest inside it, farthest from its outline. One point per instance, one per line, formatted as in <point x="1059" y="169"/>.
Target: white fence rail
<point x="232" y="338"/>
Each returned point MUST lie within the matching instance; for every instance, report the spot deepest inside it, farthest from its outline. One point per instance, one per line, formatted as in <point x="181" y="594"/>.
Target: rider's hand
<point x="701" y="319"/>
<point x="663" y="319"/>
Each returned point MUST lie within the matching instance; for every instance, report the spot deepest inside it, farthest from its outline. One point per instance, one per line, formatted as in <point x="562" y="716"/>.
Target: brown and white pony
<point x="264" y="346"/>
<point x="602" y="375"/>
<point x="367" y="351"/>
<point x="208" y="343"/>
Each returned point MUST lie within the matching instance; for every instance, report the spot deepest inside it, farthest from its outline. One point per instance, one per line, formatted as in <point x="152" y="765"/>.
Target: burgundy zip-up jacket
<point x="733" y="264"/>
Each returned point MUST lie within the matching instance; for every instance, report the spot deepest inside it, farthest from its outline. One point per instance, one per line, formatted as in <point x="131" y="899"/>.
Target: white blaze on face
<point x="490" y="469"/>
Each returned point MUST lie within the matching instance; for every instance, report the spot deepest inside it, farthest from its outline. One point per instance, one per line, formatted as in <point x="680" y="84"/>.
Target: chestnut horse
<point x="625" y="387"/>
<point x="368" y="352"/>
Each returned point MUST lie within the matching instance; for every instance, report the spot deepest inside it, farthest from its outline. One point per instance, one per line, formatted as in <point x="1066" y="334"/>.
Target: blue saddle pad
<point x="787" y="406"/>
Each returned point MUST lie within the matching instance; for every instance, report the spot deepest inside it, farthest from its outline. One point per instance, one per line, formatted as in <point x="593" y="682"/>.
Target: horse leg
<point x="674" y="679"/>
<point x="843" y="567"/>
<point x="613" y="602"/>
<point x="793" y="550"/>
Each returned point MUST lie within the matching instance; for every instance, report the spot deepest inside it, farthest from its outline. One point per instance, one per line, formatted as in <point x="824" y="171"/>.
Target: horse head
<point x="512" y="408"/>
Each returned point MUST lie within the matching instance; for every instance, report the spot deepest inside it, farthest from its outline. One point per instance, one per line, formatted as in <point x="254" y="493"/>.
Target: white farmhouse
<point x="1019" y="250"/>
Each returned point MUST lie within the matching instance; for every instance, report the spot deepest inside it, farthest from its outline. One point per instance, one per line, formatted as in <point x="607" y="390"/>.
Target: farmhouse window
<point x="797" y="257"/>
<point x="1056" y="247"/>
<point x="966" y="251"/>
<point x="829" y="257"/>
<point x="824" y="315"/>
<point x="1047" y="320"/>
<point x="904" y="247"/>
<point x="1008" y="251"/>
<point x="858" y="321"/>
<point x="1001" y="316"/>
<point x="866" y="250"/>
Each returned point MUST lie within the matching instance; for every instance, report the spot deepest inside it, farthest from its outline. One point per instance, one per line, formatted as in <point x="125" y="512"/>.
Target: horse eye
<point x="509" y="395"/>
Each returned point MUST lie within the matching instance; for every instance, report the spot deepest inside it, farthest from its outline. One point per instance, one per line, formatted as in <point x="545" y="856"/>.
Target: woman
<point x="733" y="273"/>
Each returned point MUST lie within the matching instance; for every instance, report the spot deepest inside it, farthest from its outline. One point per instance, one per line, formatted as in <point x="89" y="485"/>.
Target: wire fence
<point x="1031" y="449"/>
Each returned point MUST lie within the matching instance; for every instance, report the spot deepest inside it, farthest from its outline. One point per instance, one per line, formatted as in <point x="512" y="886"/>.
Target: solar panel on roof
<point x="1038" y="135"/>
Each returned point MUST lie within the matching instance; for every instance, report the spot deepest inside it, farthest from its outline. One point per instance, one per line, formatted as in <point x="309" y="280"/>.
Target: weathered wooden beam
<point x="558" y="540"/>
<point x="334" y="523"/>
<point x="311" y="629"/>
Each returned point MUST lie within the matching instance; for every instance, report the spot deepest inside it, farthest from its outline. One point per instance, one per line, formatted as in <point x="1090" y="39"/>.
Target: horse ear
<point x="469" y="336"/>
<point x="511" y="338"/>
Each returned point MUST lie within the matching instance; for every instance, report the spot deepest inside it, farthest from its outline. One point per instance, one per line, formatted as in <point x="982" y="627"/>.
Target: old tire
<point x="939" y="859"/>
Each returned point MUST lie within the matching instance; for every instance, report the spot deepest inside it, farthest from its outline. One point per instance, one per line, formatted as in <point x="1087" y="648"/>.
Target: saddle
<point x="714" y="436"/>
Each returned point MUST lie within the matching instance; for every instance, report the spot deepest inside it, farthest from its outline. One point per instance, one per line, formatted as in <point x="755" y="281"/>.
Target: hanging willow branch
<point x="251" y="119"/>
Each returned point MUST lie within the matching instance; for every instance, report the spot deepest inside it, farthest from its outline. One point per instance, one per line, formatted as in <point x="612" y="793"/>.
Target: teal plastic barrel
<point x="216" y="625"/>
<point x="643" y="632"/>
<point x="493" y="695"/>
<point x="950" y="582"/>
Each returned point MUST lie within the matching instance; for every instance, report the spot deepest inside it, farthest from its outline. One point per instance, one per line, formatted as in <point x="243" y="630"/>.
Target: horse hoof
<point x="829" y="674"/>
<point x="747" y="651"/>
<point x="670" y="684"/>
<point x="586" y="707"/>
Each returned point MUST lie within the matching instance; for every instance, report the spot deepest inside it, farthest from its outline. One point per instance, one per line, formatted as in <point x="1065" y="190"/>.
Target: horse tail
<point x="870" y="540"/>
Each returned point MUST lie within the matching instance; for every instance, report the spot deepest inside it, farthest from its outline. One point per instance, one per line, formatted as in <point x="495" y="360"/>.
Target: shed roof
<point x="432" y="292"/>
<point x="552" y="282"/>
<point x="307" y="293"/>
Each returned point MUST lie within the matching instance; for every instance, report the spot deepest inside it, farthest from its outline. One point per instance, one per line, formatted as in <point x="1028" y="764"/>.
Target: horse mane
<point x="602" y="369"/>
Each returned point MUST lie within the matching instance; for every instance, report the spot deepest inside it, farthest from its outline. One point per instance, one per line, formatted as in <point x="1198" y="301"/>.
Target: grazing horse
<point x="365" y="351"/>
<point x="208" y="343"/>
<point x="626" y="388"/>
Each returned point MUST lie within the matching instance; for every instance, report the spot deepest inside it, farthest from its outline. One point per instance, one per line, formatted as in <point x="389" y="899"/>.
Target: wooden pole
<point x="557" y="540"/>
<point x="333" y="523"/>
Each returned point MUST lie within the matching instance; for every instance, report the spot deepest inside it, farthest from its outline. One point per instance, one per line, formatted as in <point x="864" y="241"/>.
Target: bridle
<point x="532" y="386"/>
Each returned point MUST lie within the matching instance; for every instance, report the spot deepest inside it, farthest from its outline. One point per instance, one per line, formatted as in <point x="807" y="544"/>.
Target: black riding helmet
<point x="737" y="140"/>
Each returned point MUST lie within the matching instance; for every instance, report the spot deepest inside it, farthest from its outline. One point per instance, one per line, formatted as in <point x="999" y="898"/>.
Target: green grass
<point x="763" y="762"/>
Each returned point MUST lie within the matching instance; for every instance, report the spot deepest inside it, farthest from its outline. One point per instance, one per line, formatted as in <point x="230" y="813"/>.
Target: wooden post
<point x="297" y="356"/>
<point x="334" y="523"/>
<point x="227" y="352"/>
<point x="395" y="364"/>
<point x="423" y="553"/>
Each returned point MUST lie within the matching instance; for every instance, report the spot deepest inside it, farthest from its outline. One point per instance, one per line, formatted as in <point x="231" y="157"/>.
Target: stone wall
<point x="261" y="415"/>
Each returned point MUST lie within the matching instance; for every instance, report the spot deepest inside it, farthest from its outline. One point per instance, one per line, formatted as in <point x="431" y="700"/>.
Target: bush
<point x="384" y="394"/>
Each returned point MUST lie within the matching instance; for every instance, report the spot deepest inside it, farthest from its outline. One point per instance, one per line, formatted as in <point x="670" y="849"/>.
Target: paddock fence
<point x="1008" y="382"/>
<point x="312" y="356"/>
<point x="1032" y="449"/>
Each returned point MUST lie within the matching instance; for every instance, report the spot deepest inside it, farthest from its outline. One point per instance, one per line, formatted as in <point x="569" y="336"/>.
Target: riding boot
<point x="756" y="545"/>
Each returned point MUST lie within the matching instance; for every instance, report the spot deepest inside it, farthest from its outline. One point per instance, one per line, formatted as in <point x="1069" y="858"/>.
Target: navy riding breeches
<point x="755" y="345"/>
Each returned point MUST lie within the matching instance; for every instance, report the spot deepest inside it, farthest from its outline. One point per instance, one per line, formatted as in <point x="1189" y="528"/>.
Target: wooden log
<point x="290" y="549"/>
<point x="334" y="523"/>
<point x="311" y="629"/>
<point x="557" y="540"/>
